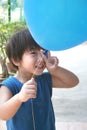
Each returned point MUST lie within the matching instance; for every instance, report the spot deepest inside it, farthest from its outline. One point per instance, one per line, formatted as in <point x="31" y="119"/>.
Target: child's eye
<point x="34" y="53"/>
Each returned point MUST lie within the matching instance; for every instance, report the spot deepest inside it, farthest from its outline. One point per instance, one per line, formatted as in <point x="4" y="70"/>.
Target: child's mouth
<point x="40" y="67"/>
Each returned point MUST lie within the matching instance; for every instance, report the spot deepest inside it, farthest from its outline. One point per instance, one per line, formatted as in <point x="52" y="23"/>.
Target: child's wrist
<point x="19" y="98"/>
<point x="53" y="70"/>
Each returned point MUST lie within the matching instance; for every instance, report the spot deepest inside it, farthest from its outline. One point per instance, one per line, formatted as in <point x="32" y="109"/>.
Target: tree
<point x="9" y="10"/>
<point x="14" y="4"/>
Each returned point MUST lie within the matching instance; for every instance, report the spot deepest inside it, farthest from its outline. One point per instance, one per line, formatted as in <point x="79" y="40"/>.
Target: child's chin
<point x="37" y="74"/>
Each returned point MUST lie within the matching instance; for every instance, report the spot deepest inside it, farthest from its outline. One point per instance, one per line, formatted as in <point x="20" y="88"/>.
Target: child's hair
<point x="20" y="42"/>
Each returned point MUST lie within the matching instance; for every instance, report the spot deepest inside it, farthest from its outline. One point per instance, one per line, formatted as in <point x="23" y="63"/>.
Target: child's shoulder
<point x="44" y="75"/>
<point x="8" y="80"/>
<point x="12" y="84"/>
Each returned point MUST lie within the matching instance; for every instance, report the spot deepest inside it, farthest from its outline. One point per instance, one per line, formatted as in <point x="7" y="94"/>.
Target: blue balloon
<point x="57" y="24"/>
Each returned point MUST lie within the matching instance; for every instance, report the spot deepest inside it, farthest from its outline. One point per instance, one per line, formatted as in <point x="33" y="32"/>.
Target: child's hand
<point x="51" y="62"/>
<point x="28" y="91"/>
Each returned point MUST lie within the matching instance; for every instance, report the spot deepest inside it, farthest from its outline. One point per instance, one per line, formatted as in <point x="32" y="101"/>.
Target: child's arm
<point x="62" y="78"/>
<point x="9" y="104"/>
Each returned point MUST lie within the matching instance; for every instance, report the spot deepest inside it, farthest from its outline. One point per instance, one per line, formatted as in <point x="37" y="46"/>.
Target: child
<point x="25" y="98"/>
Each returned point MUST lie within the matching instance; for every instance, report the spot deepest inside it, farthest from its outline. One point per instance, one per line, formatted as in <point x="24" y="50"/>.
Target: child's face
<point x="32" y="62"/>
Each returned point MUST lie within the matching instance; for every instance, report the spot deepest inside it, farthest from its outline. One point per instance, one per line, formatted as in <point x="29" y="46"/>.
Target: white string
<point x="32" y="106"/>
<point x="33" y="117"/>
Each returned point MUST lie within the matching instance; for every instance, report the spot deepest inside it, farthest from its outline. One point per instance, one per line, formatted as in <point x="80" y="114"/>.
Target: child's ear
<point x="15" y="62"/>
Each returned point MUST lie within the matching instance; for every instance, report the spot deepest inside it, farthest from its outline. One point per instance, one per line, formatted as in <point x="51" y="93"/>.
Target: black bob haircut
<point x="20" y="42"/>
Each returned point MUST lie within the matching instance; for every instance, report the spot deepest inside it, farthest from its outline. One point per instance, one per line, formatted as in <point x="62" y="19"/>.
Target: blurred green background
<point x="11" y="20"/>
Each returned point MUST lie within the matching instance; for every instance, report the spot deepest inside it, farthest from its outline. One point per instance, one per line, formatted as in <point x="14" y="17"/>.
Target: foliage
<point x="13" y="3"/>
<point x="6" y="31"/>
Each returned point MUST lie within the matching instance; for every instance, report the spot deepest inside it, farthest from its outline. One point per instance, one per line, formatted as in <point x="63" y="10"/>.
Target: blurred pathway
<point x="71" y="104"/>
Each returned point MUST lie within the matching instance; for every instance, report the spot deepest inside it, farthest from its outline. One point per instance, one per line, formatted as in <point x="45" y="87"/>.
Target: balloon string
<point x="32" y="105"/>
<point x="32" y="108"/>
<point x="33" y="116"/>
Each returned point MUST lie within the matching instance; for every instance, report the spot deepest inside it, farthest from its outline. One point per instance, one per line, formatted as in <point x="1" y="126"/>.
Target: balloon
<point x="57" y="24"/>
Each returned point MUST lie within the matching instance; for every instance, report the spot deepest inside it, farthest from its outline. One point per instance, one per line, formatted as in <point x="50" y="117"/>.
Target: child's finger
<point x="31" y="81"/>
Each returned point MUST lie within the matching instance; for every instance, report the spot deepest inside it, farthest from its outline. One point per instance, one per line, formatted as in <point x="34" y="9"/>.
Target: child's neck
<point x="23" y="77"/>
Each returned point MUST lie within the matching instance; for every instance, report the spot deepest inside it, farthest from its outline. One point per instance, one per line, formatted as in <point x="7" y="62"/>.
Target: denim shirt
<point x="42" y="106"/>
